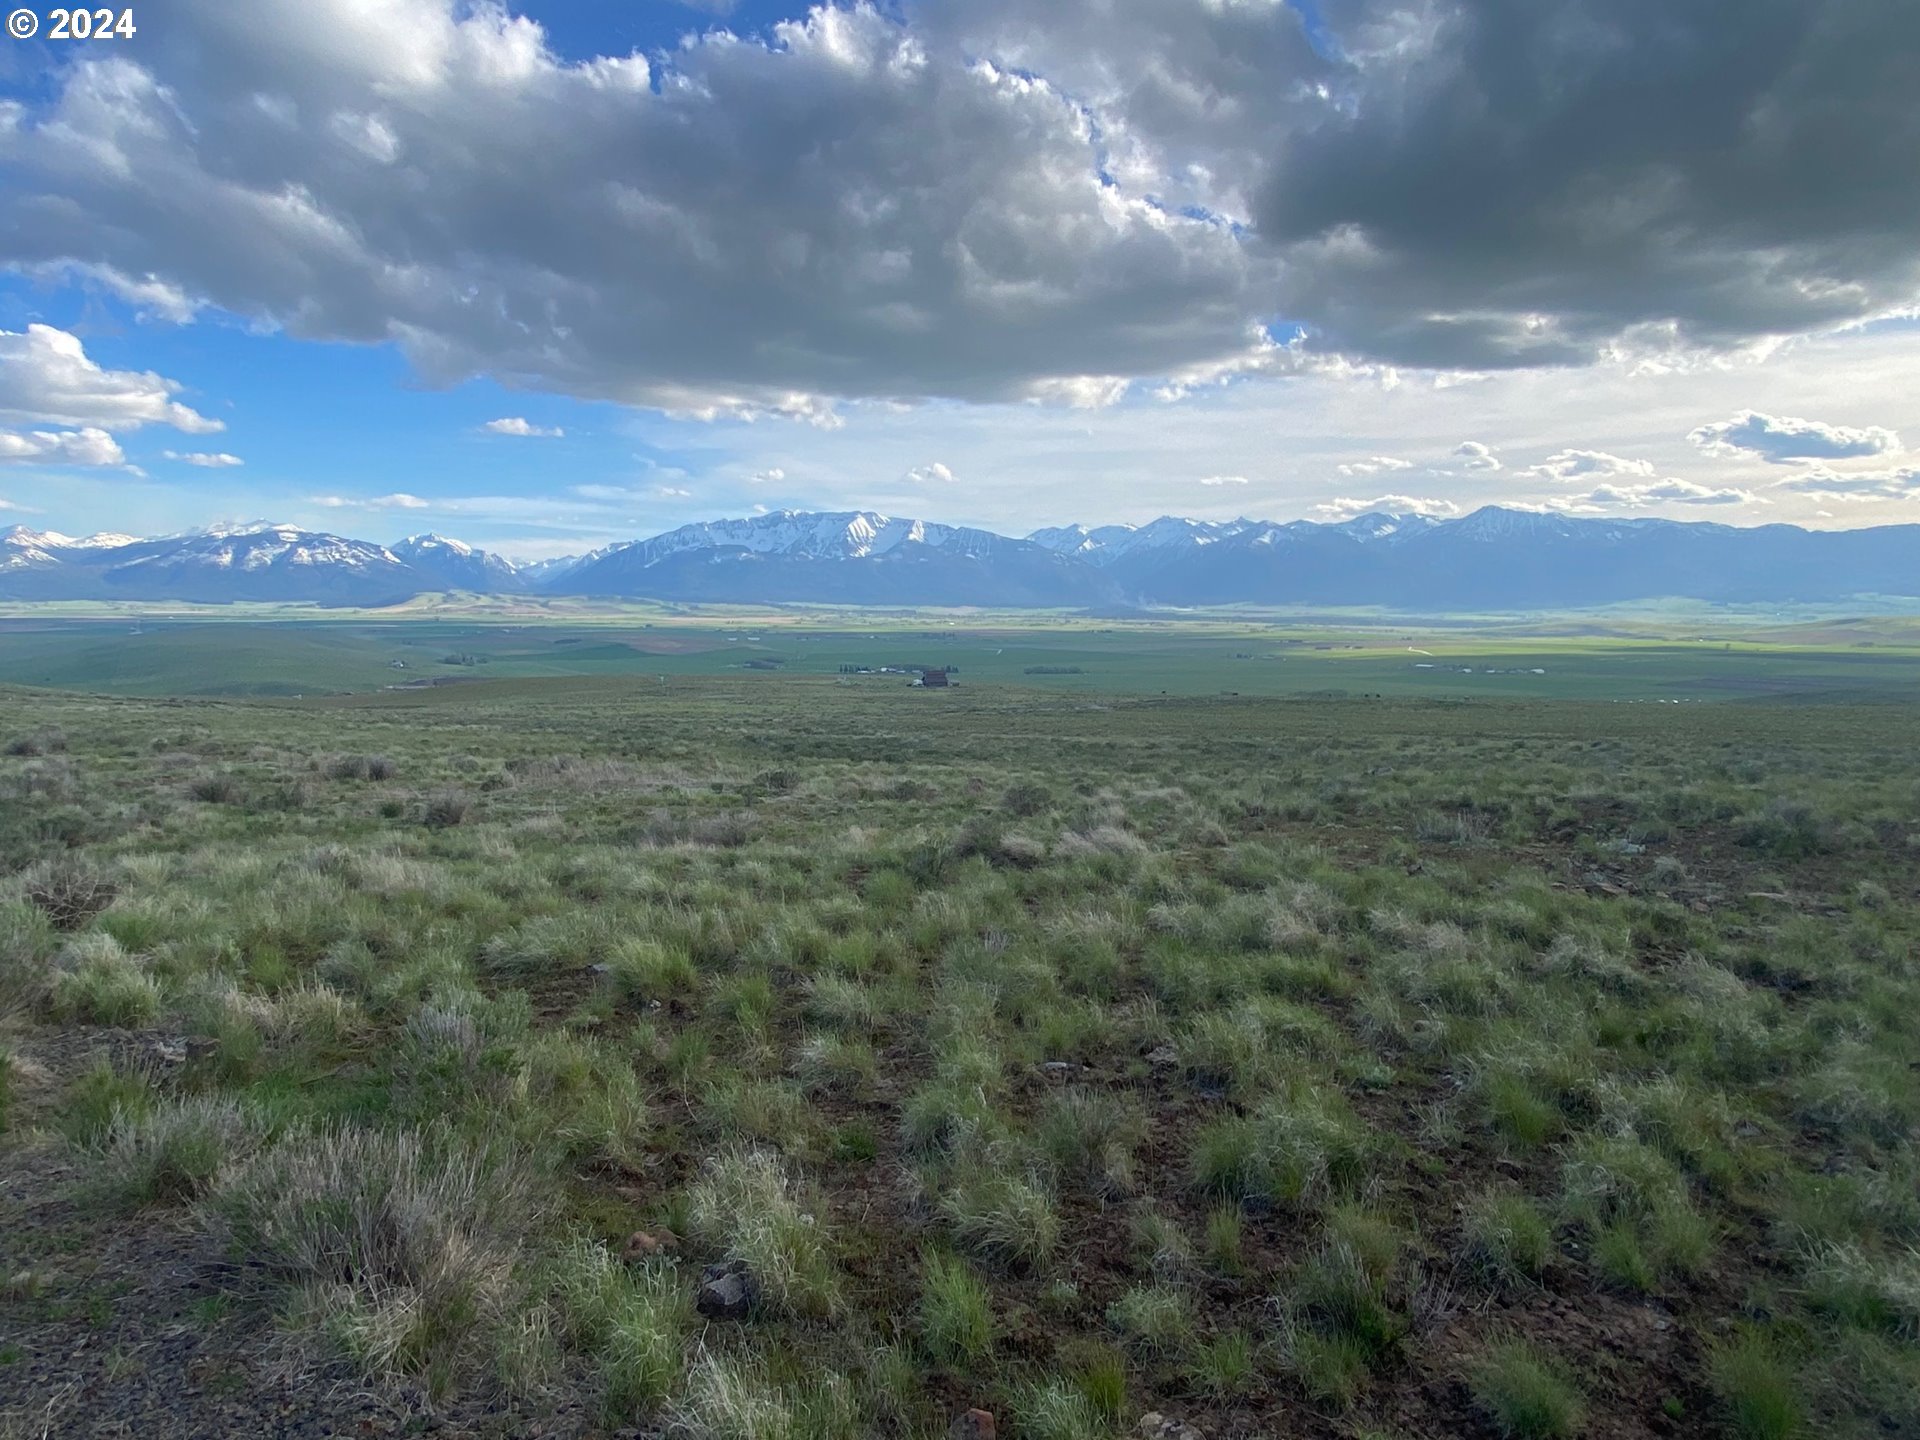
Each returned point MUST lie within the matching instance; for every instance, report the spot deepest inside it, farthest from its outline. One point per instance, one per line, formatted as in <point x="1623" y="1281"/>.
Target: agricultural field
<point x="782" y="1055"/>
<point x="279" y="653"/>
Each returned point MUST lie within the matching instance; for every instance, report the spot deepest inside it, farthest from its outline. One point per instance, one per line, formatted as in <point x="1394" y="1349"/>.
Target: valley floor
<point x="773" y="1057"/>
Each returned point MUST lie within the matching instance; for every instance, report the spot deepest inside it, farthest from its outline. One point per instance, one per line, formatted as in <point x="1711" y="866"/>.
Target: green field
<point x="1565" y="658"/>
<point x="777" y="1055"/>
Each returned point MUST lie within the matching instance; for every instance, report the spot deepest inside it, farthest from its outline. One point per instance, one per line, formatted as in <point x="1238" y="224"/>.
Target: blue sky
<point x="432" y="264"/>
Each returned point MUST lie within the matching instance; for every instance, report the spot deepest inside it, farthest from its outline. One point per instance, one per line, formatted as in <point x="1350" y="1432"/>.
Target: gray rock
<point x="728" y="1291"/>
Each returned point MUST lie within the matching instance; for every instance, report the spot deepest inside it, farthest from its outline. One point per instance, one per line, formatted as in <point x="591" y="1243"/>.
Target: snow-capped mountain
<point x="458" y="566"/>
<point x="1495" y="558"/>
<point x="849" y="557"/>
<point x="256" y="561"/>
<point x="1106" y="544"/>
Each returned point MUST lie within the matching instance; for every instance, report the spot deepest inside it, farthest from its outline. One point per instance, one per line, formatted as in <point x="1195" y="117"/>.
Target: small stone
<point x="973" y="1425"/>
<point x="599" y="967"/>
<point x="1057" y="1067"/>
<point x="1164" y="1057"/>
<point x="727" y="1291"/>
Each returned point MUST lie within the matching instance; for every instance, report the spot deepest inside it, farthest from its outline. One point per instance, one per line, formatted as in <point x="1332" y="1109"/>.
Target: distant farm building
<point x="933" y="679"/>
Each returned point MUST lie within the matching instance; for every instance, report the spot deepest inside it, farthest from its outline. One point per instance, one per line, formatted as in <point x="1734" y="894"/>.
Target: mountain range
<point x="1495" y="558"/>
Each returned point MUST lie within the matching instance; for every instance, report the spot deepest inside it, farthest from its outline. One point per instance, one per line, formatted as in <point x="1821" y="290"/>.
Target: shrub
<point x="1225" y="1366"/>
<point x="445" y="809"/>
<point x="178" y="1150"/>
<point x="1507" y="1238"/>
<point x="100" y="984"/>
<point x="1058" y="1410"/>
<point x="69" y="890"/>
<point x="99" y="1100"/>
<point x="1621" y="1258"/>
<point x="26" y="944"/>
<point x="747" y="1205"/>
<point x="731" y="1398"/>
<point x="1003" y="1218"/>
<point x="1090" y="1136"/>
<point x="956" y="1312"/>
<point x="361" y="767"/>
<point x="215" y="788"/>
<point x="1290" y="1151"/>
<point x="1873" y="1293"/>
<point x="581" y="1096"/>
<point x="1224" y="1240"/>
<point x="1156" y="1321"/>
<point x="1756" y="1389"/>
<point x="400" y="1246"/>
<point x="635" y="1319"/>
<point x="1529" y="1396"/>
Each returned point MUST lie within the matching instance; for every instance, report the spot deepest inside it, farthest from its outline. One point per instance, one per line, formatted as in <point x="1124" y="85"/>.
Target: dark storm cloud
<point x="988" y="199"/>
<point x="1508" y="182"/>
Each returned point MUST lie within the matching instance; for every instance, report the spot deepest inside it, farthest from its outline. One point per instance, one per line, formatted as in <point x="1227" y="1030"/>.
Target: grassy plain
<point x="1421" y="1066"/>
<point x="1702" y="659"/>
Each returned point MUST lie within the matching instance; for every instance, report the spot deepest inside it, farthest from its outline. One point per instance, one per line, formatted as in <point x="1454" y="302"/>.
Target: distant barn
<point x="934" y="679"/>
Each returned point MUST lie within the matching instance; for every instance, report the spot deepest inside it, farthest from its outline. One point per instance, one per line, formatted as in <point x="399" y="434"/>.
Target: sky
<point x="548" y="274"/>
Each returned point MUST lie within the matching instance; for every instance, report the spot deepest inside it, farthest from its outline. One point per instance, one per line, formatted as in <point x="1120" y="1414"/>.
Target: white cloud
<point x="924" y="474"/>
<point x="1824" y="482"/>
<point x="1374" y="465"/>
<point x="671" y="492"/>
<point x="515" y="425"/>
<point x="1224" y="480"/>
<point x="1346" y="508"/>
<point x="1577" y="464"/>
<point x="150" y="297"/>
<point x="1672" y="492"/>
<point x="396" y="501"/>
<point x="740" y="226"/>
<point x="1781" y="439"/>
<point x="1473" y="455"/>
<point x="66" y="447"/>
<point x="772" y="475"/>
<point x="216" y="460"/>
<point x="46" y="378"/>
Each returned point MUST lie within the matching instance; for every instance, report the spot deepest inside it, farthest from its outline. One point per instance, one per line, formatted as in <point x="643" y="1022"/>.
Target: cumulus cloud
<point x="396" y="501"/>
<point x="1672" y="492"/>
<point x="1472" y="455"/>
<point x="1374" y="464"/>
<point x="990" y="199"/>
<point x="1895" y="483"/>
<point x="671" y="492"/>
<point x="772" y="475"/>
<point x="1488" y="183"/>
<point x="847" y="210"/>
<point x="514" y="425"/>
<point x="46" y="377"/>
<point x="1223" y="480"/>
<point x="214" y="460"/>
<point x="66" y="447"/>
<point x="925" y="474"/>
<point x="1578" y="464"/>
<point x="1781" y="439"/>
<point x="1346" y="508"/>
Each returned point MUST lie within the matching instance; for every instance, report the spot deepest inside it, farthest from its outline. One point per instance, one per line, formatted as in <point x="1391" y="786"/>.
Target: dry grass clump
<point x="748" y="1205"/>
<point x="360" y="767"/>
<point x="177" y="1150"/>
<point x="69" y="890"/>
<point x="401" y="1246"/>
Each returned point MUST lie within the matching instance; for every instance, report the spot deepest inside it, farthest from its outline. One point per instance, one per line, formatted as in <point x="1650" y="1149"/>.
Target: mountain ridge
<point x="1497" y="557"/>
